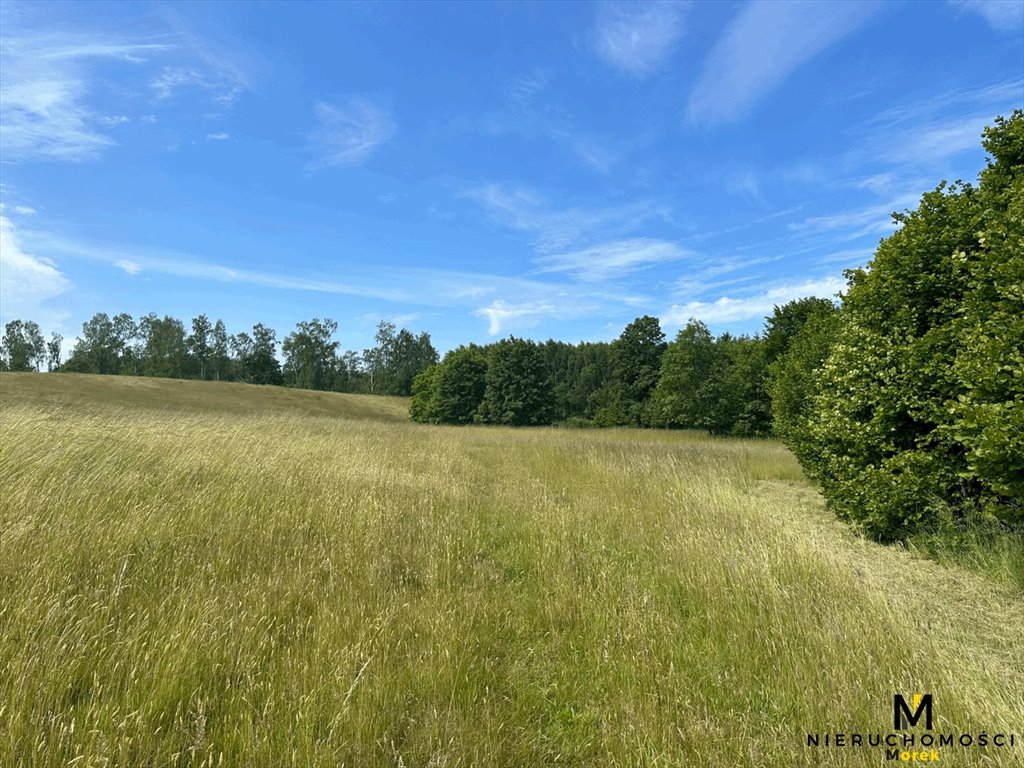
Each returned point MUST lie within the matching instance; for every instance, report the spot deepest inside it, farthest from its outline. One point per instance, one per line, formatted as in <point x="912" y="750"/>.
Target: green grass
<point x="85" y="392"/>
<point x="283" y="578"/>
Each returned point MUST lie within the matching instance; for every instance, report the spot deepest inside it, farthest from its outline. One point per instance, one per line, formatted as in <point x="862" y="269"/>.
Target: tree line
<point x="694" y="381"/>
<point x="155" y="346"/>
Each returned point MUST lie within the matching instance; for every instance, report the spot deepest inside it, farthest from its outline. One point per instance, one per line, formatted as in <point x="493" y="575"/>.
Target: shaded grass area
<point x="78" y="392"/>
<point x="984" y="546"/>
<point x="294" y="589"/>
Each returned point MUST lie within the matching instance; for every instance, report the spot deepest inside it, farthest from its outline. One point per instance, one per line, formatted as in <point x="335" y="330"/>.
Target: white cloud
<point x="348" y="133"/>
<point x="937" y="106"/>
<point x="499" y="313"/>
<point x="613" y="259"/>
<point x="638" y="38"/>
<point x="762" y="46"/>
<point x="939" y="140"/>
<point x="134" y="259"/>
<point x="728" y="310"/>
<point x="24" y="210"/>
<point x="1000" y="14"/>
<point x="43" y="98"/>
<point x="173" y="80"/>
<point x="746" y="183"/>
<point x="27" y="282"/>
<point x="521" y="89"/>
<point x="872" y="219"/>
<point x="114" y="120"/>
<point x="879" y="183"/>
<point x="511" y="301"/>
<point x="471" y="291"/>
<point x="593" y="155"/>
<point x="222" y="136"/>
<point x="556" y="230"/>
<point x="852" y="257"/>
<point x="403" y="320"/>
<point x="128" y="266"/>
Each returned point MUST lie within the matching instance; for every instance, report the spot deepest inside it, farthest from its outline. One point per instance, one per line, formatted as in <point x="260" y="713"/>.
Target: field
<point x="215" y="574"/>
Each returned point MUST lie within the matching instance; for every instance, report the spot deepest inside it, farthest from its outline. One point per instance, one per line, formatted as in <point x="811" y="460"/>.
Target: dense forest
<point x="904" y="400"/>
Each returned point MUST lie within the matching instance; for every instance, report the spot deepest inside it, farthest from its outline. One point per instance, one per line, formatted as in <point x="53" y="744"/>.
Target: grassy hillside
<point x="78" y="392"/>
<point x="277" y="580"/>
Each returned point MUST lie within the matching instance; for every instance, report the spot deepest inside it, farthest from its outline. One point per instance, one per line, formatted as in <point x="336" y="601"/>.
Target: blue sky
<point x="550" y="170"/>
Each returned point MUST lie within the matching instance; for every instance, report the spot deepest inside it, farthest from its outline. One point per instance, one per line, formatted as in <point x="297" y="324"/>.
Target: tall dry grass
<point x="293" y="588"/>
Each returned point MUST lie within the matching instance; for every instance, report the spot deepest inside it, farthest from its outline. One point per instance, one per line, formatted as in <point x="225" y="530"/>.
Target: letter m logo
<point x="903" y="718"/>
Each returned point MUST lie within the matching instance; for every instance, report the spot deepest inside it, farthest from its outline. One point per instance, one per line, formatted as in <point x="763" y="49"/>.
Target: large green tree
<point x="96" y="350"/>
<point x="23" y="347"/>
<point x="53" y="351"/>
<point x="220" y="356"/>
<point x="310" y="356"/>
<point x="451" y="392"/>
<point x="918" y="415"/>
<point x="687" y="392"/>
<point x="198" y="345"/>
<point x="637" y="359"/>
<point x="162" y="350"/>
<point x="517" y="389"/>
<point x="260" y="365"/>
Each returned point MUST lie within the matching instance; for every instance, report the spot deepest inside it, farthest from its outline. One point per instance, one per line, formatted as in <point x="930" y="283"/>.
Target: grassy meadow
<point x="218" y="574"/>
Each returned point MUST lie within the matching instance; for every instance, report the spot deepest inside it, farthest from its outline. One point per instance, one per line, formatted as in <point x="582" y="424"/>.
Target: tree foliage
<point x="637" y="359"/>
<point x="22" y="347"/>
<point x="310" y="357"/>
<point x="517" y="390"/>
<point x="917" y="414"/>
<point x="795" y="377"/>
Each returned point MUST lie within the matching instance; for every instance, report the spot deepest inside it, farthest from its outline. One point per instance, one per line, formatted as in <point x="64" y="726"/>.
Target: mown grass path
<point x="302" y="584"/>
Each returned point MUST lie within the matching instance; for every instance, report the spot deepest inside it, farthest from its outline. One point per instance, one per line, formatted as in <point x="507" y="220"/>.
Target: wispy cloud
<point x="557" y="229"/>
<point x="173" y="81"/>
<point x="504" y="302"/>
<point x="499" y="313"/>
<point x="54" y="78"/>
<point x="1000" y="14"/>
<point x="939" y="140"/>
<point x="711" y="274"/>
<point x="520" y="90"/>
<point x="403" y="320"/>
<point x="729" y="310"/>
<point x="762" y="46"/>
<point x="44" y="111"/>
<point x="348" y="133"/>
<point x="613" y="259"/>
<point x="114" y="120"/>
<point x="639" y="37"/>
<point x="136" y="260"/>
<point x="745" y="183"/>
<point x="852" y="257"/>
<point x="590" y="152"/>
<point x="221" y="136"/>
<point x="867" y="220"/>
<point x="534" y="112"/>
<point x="130" y="267"/>
<point x="956" y="100"/>
<point x="27" y="282"/>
